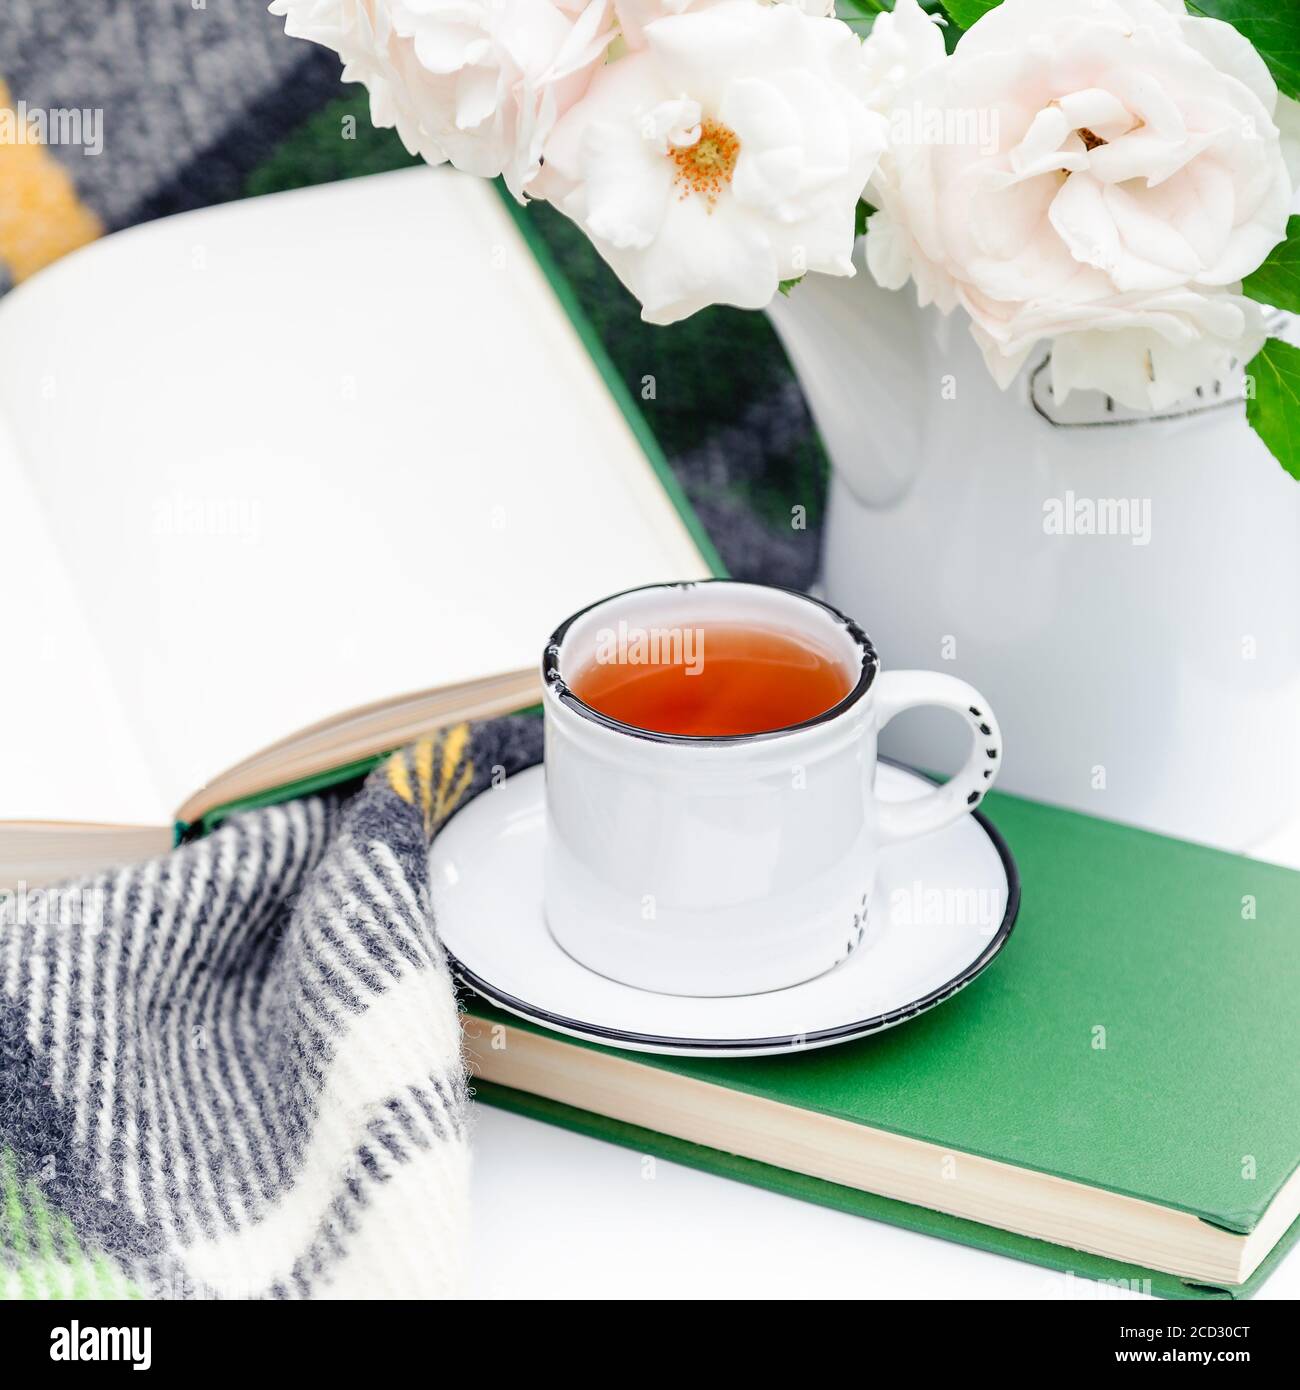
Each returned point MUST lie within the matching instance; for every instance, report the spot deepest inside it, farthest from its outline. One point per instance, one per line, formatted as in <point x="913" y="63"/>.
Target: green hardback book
<point x="1118" y="1095"/>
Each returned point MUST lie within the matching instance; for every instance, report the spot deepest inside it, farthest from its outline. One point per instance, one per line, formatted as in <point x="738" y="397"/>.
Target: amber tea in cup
<point x="710" y="679"/>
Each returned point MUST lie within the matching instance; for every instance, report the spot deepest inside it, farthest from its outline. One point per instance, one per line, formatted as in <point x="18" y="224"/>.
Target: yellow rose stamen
<point x="706" y="166"/>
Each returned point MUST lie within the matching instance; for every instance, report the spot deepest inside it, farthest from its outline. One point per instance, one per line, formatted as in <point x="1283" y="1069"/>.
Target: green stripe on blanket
<point x="48" y="1261"/>
<point x="235" y="1071"/>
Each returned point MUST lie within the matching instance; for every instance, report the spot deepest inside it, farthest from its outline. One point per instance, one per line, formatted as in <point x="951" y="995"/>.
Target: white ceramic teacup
<point x="736" y="864"/>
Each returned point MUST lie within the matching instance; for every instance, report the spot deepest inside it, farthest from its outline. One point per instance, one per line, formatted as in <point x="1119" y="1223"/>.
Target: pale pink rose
<point x="1101" y="173"/>
<point x="479" y="83"/>
<point x="634" y="15"/>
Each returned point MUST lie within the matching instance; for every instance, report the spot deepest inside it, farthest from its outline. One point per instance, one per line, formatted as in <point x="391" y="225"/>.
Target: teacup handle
<point x="900" y="690"/>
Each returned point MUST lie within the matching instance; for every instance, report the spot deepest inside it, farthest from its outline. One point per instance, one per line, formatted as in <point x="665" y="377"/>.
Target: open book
<point x="286" y="482"/>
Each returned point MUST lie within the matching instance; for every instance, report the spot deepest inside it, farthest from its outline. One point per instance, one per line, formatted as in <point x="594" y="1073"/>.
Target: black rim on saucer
<point x="842" y="1032"/>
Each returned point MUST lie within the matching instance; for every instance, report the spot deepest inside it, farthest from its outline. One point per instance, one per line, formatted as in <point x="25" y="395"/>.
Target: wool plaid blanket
<point x="237" y="1072"/>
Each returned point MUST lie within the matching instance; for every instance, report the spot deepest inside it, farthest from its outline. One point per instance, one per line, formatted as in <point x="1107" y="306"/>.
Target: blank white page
<point x="318" y="449"/>
<point x="67" y="751"/>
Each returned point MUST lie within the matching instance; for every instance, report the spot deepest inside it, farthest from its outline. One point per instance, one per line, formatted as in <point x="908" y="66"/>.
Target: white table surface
<point x="559" y="1215"/>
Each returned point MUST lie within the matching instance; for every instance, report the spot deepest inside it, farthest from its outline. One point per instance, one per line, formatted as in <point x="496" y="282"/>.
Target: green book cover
<point x="1138" y="1034"/>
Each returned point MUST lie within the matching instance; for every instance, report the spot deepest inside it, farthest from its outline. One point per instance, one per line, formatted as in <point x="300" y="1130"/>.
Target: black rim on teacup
<point x="556" y="683"/>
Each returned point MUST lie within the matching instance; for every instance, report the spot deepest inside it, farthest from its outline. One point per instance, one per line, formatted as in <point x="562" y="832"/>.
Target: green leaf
<point x="863" y="12"/>
<point x="787" y="285"/>
<point x="860" y="215"/>
<point x="1273" y="401"/>
<point x="1277" y="281"/>
<point x="966" y="12"/>
<point x="1273" y="26"/>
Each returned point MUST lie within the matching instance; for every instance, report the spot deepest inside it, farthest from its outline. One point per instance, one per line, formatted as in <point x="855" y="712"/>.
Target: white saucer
<point x="944" y="907"/>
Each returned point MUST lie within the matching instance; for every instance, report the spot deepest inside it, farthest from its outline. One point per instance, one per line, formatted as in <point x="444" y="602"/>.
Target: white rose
<point x="902" y="43"/>
<point x="725" y="156"/>
<point x="822" y="9"/>
<point x="634" y="15"/>
<point x="477" y="82"/>
<point x="1134" y="176"/>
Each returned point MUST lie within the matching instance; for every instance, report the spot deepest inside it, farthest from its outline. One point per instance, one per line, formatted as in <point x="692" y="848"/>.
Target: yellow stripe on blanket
<point x="455" y="773"/>
<point x="424" y="774"/>
<point x="41" y="216"/>
<point x="452" y="787"/>
<point x="399" y="777"/>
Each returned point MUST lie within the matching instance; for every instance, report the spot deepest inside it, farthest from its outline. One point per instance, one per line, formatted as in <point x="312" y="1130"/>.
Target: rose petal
<point x="1080" y="216"/>
<point x="1097" y="110"/>
<point x="1155" y="254"/>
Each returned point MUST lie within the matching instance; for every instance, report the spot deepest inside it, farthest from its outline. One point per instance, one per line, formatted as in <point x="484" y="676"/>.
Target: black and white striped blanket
<point x="238" y="1073"/>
